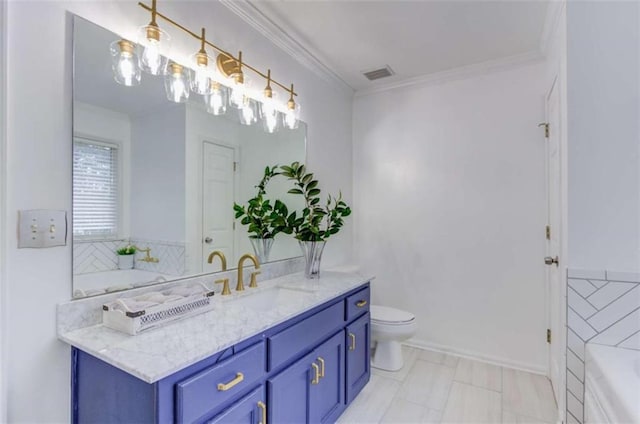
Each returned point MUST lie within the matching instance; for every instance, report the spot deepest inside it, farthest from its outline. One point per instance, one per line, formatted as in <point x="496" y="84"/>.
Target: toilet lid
<point x="390" y="315"/>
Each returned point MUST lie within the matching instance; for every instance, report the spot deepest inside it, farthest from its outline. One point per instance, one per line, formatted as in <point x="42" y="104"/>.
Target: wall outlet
<point x="42" y="228"/>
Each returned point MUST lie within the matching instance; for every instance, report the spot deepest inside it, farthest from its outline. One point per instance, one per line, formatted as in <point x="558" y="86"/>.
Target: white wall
<point x="604" y="133"/>
<point x="3" y="295"/>
<point x="450" y="210"/>
<point x="39" y="168"/>
<point x="158" y="175"/>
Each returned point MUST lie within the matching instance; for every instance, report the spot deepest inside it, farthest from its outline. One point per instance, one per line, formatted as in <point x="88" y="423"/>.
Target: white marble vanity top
<point x="160" y="352"/>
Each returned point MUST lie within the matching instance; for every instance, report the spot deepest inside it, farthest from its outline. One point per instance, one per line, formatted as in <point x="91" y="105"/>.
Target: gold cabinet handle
<point x="224" y="387"/>
<point x="316" y="369"/>
<point x="353" y="341"/>
<point x="263" y="408"/>
<point x="321" y="366"/>
<point x="361" y="303"/>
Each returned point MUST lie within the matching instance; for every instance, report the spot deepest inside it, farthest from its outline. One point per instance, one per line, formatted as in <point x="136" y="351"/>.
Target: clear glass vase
<point x="262" y="248"/>
<point x="312" y="252"/>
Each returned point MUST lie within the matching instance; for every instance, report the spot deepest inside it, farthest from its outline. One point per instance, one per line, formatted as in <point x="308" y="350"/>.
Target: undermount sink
<point x="271" y="298"/>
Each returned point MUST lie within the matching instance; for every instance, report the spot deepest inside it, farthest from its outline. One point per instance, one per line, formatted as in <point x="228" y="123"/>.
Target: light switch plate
<point x="42" y="228"/>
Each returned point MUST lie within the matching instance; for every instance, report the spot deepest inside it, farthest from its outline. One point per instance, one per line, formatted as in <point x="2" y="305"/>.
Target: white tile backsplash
<point x="583" y="287"/>
<point x="588" y="274"/>
<point x="608" y="294"/>
<point x="616" y="310"/>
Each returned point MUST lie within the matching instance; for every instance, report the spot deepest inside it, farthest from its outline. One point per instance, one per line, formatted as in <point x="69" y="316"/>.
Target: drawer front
<point x="210" y="388"/>
<point x="357" y="304"/>
<point x="304" y="335"/>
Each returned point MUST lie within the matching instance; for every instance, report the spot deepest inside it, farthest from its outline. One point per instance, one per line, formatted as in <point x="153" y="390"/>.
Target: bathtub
<point x="94" y="283"/>
<point x="612" y="385"/>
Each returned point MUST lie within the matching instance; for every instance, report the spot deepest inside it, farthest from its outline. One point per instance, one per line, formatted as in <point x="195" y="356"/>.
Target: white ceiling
<point x="415" y="38"/>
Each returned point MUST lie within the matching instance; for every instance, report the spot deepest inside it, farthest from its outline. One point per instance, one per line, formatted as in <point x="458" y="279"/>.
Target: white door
<point x="217" y="203"/>
<point x="554" y="232"/>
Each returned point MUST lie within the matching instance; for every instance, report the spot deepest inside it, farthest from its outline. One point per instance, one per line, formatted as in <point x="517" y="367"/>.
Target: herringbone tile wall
<point x="603" y="307"/>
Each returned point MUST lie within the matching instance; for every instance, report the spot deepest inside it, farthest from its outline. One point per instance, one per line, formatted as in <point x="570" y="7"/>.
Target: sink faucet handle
<point x="253" y="282"/>
<point x="225" y="286"/>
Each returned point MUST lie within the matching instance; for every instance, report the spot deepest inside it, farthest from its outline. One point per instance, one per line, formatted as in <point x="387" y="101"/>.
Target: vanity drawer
<point x="210" y="388"/>
<point x="357" y="304"/>
<point x="304" y="335"/>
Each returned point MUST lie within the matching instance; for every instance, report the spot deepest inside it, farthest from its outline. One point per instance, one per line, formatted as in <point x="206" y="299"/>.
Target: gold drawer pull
<point x="263" y="407"/>
<point x="316" y="369"/>
<point x="227" y="386"/>
<point x="361" y="303"/>
<point x="321" y="366"/>
<point x="353" y="341"/>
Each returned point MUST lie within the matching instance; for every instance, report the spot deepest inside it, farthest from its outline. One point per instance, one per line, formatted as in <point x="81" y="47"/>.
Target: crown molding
<point x="459" y="73"/>
<point x="551" y="22"/>
<point x="278" y="34"/>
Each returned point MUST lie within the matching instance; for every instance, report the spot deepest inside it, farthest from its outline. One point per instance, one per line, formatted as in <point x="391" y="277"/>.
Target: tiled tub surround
<point x="160" y="352"/>
<point x="603" y="307"/>
<point x="100" y="256"/>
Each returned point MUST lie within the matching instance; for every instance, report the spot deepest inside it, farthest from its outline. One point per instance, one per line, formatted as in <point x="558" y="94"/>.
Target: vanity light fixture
<point x="124" y="62"/>
<point x="268" y="108"/>
<point x="217" y="101"/>
<point x="199" y="75"/>
<point x="175" y="83"/>
<point x="201" y="79"/>
<point x="154" y="43"/>
<point x="248" y="112"/>
<point x="291" y="118"/>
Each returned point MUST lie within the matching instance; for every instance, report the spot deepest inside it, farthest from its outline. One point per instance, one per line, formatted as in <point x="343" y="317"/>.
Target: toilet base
<point x="388" y="356"/>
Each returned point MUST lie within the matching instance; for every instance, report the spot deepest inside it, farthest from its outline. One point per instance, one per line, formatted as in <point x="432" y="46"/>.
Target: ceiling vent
<point x="378" y="73"/>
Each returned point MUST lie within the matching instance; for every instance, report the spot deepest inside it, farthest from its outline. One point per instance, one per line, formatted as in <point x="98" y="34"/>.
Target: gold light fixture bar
<point x="155" y="13"/>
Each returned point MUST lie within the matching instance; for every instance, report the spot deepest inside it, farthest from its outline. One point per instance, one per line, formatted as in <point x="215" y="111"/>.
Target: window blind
<point x="95" y="189"/>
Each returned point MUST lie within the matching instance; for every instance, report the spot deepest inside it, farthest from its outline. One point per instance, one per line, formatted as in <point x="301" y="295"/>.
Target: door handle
<point x="321" y="366"/>
<point x="208" y="240"/>
<point x="316" y="370"/>
<point x="223" y="387"/>
<point x="263" y="408"/>
<point x="353" y="341"/>
<point x="550" y="261"/>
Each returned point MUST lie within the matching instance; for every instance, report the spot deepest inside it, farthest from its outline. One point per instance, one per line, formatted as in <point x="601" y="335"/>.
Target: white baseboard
<point x="477" y="356"/>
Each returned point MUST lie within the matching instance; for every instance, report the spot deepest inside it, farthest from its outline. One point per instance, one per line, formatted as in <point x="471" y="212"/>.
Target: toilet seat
<point x="390" y="316"/>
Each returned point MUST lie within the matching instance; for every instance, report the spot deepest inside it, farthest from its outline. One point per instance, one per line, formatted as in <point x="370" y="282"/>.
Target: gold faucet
<point x="240" y="285"/>
<point x="148" y="257"/>
<point x="221" y="256"/>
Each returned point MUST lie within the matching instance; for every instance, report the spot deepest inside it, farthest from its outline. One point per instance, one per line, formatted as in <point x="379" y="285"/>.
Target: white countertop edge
<point x="82" y="338"/>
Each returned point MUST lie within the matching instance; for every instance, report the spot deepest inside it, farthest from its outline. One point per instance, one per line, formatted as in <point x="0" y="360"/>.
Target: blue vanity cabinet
<point x="298" y="371"/>
<point x="312" y="389"/>
<point x="358" y="372"/>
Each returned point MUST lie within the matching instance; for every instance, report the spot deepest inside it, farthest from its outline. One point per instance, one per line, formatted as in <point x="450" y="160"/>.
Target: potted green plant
<point x="318" y="221"/>
<point x="125" y="257"/>
<point x="264" y="219"/>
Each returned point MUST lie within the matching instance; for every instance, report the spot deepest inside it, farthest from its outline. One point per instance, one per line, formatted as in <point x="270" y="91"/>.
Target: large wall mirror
<point x="161" y="176"/>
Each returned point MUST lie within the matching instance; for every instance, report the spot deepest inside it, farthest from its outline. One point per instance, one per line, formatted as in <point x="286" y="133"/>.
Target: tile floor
<point x="433" y="387"/>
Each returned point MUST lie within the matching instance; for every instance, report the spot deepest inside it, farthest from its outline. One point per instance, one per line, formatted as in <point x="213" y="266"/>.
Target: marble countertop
<point x="159" y="352"/>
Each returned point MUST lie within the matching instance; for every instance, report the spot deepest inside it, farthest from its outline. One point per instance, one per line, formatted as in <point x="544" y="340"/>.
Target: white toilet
<point x="390" y="327"/>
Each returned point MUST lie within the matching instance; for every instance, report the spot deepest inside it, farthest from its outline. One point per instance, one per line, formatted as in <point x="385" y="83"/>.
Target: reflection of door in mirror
<point x="218" y="169"/>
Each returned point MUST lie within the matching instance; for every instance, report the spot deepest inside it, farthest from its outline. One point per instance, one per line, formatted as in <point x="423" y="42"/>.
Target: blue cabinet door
<point x="358" y="356"/>
<point x="327" y="396"/>
<point x="251" y="409"/>
<point x="288" y="393"/>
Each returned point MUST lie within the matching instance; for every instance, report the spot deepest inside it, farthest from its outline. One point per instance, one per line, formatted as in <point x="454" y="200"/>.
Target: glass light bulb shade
<point x="176" y="83"/>
<point x="154" y="44"/>
<point x="124" y="63"/>
<point x="200" y="74"/>
<point x="270" y="114"/>
<point x="238" y="92"/>
<point x="217" y="100"/>
<point x="291" y="117"/>
<point x="248" y="112"/>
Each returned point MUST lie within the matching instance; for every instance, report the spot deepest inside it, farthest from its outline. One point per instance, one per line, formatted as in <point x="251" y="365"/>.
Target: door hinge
<point x="548" y="335"/>
<point x="548" y="232"/>
<point x="546" y="128"/>
<point x="235" y="166"/>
